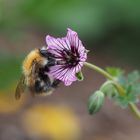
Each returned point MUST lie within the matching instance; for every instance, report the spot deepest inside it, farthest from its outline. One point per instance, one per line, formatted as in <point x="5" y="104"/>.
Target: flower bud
<point x="96" y="101"/>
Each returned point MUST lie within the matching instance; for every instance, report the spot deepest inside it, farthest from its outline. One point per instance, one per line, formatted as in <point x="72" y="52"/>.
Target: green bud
<point x="80" y="76"/>
<point x="96" y="101"/>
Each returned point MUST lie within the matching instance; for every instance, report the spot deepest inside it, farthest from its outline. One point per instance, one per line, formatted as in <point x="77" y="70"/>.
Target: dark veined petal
<point x="64" y="74"/>
<point x="83" y="56"/>
<point x="73" y="39"/>
<point x="57" y="43"/>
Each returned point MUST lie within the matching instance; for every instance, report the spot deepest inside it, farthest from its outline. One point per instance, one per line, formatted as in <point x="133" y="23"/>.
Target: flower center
<point x="71" y="57"/>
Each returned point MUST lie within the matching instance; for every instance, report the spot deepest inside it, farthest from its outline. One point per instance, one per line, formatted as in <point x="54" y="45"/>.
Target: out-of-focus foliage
<point x="91" y="17"/>
<point x="115" y="25"/>
<point x="132" y="86"/>
<point x="9" y="71"/>
<point x="112" y="24"/>
<point x="113" y="71"/>
<point x="54" y="122"/>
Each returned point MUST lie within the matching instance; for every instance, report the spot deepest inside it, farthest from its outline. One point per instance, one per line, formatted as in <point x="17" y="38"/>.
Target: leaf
<point x="123" y="102"/>
<point x="128" y="89"/>
<point x="132" y="98"/>
<point x="129" y="83"/>
<point x="115" y="72"/>
<point x="133" y="77"/>
<point x="96" y="101"/>
<point x="122" y="80"/>
<point x="136" y="89"/>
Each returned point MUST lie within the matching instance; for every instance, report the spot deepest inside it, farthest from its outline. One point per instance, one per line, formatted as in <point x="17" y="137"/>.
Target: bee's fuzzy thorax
<point x="28" y="62"/>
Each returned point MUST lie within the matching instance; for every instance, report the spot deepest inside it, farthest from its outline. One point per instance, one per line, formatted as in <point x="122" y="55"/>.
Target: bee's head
<point x="43" y="51"/>
<point x="49" y="56"/>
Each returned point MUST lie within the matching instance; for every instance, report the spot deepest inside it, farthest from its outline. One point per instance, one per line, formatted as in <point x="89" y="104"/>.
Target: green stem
<point x="120" y="89"/>
<point x="108" y="76"/>
<point x="134" y="109"/>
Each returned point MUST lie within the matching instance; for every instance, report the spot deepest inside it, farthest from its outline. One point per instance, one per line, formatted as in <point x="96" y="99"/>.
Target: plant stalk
<point x="120" y="89"/>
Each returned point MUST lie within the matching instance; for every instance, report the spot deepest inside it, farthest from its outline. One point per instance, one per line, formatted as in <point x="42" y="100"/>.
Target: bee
<point x="35" y="74"/>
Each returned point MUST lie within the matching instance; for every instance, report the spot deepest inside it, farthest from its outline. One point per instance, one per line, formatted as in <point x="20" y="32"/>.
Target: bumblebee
<point x="35" y="74"/>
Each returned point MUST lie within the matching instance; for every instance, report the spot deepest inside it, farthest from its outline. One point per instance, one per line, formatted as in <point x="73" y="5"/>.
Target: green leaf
<point x="115" y="72"/>
<point x="129" y="83"/>
<point x="80" y="76"/>
<point x="128" y="89"/>
<point x="136" y="89"/>
<point x="132" y="98"/>
<point x="96" y="101"/>
<point x="122" y="80"/>
<point x="123" y="101"/>
<point x="133" y="77"/>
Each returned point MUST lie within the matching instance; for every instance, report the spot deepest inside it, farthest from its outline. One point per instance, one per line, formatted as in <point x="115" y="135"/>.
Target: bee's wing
<point x="20" y="87"/>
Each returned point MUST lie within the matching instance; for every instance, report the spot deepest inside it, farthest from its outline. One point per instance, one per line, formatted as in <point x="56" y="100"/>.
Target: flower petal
<point x="57" y="43"/>
<point x="73" y="38"/>
<point x="83" y="56"/>
<point x="55" y="52"/>
<point x="64" y="74"/>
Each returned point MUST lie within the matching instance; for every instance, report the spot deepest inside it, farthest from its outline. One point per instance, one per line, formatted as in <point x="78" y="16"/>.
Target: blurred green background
<point x="109" y="29"/>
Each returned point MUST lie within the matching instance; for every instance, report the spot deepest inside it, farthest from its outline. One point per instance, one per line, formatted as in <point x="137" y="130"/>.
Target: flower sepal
<point x="79" y="76"/>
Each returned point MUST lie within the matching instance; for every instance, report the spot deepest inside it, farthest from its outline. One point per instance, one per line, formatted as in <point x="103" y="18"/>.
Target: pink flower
<point x="70" y="55"/>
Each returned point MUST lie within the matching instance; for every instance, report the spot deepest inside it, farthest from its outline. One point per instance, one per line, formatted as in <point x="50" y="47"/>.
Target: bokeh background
<point x="109" y="29"/>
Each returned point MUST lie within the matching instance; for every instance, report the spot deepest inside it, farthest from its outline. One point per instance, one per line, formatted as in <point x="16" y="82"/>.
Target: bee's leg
<point x="51" y="62"/>
<point x="38" y="87"/>
<point x="55" y="83"/>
